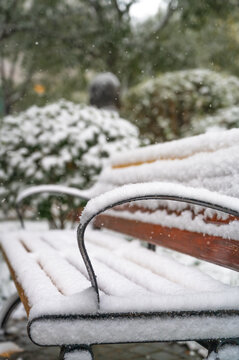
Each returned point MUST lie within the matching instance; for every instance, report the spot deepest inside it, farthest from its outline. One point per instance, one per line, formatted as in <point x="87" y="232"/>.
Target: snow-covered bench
<point x="138" y="295"/>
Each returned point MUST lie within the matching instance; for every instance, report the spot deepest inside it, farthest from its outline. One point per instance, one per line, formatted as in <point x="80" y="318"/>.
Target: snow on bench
<point x="209" y="161"/>
<point x="122" y="269"/>
<point x="57" y="285"/>
<point x="138" y="295"/>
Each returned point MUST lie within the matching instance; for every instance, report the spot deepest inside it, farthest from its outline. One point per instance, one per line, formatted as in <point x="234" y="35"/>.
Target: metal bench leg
<point x="76" y="352"/>
<point x="7" y="309"/>
<point x="151" y="247"/>
<point x="216" y="345"/>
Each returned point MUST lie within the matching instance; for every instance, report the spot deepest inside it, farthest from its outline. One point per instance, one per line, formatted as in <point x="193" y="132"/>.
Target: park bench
<point x="138" y="294"/>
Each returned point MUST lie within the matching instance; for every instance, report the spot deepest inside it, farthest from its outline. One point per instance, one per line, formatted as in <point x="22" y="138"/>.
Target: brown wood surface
<point x="215" y="219"/>
<point x="162" y="157"/>
<point x="20" y="290"/>
<point x="213" y="249"/>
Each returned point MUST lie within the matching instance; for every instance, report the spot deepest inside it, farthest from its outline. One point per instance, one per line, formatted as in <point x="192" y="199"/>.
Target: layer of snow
<point x="227" y="352"/>
<point x="184" y="221"/>
<point x="103" y="79"/>
<point x="209" y="161"/>
<point x="64" y="287"/>
<point x="215" y="171"/>
<point x="177" y="149"/>
<point x="125" y="272"/>
<point x="58" y="189"/>
<point x="88" y="331"/>
<point x="127" y="192"/>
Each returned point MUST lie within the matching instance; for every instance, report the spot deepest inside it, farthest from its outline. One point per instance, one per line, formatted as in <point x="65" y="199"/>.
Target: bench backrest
<point x="208" y="161"/>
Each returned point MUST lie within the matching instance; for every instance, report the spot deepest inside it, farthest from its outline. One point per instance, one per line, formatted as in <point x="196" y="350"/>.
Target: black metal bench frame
<point x="210" y="344"/>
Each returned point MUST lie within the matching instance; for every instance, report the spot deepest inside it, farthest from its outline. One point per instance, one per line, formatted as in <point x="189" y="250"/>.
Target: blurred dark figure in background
<point x="104" y="91"/>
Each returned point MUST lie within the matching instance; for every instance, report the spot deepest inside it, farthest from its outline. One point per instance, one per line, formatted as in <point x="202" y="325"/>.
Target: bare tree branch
<point x="2" y="69"/>
<point x="11" y="99"/>
<point x="170" y="9"/>
<point x="128" y="6"/>
<point x="11" y="29"/>
<point x="98" y="10"/>
<point x="119" y="11"/>
<point x="125" y="11"/>
<point x="13" y="66"/>
<point x="6" y="29"/>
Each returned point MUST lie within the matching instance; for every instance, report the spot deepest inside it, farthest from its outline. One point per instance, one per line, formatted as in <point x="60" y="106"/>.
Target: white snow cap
<point x="177" y="149"/>
<point x="209" y="161"/>
<point x="126" y="192"/>
<point x="59" y="189"/>
<point x="106" y="78"/>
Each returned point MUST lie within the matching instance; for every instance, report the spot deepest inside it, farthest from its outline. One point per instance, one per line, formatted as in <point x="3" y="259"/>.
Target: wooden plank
<point x="214" y="249"/>
<point x="20" y="290"/>
<point x="215" y="219"/>
<point x="55" y="266"/>
<point x="30" y="278"/>
<point x="159" y="158"/>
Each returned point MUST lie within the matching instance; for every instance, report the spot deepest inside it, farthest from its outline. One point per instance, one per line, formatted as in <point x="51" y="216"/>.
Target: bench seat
<point x="144" y="296"/>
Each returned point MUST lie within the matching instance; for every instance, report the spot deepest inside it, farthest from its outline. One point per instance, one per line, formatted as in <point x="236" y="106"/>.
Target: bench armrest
<point x="50" y="189"/>
<point x="146" y="191"/>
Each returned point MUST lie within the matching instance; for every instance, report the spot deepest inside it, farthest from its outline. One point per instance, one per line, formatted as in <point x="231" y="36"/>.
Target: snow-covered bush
<point x="163" y="107"/>
<point x="227" y="118"/>
<point x="61" y="143"/>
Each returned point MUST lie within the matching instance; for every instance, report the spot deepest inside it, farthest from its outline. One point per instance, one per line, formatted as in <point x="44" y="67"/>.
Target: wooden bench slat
<point x="56" y="267"/>
<point x="20" y="266"/>
<point x="142" y="276"/>
<point x="93" y="251"/>
<point x="156" y="263"/>
<point x="109" y="266"/>
<point x="214" y="249"/>
<point x="177" y="149"/>
<point x="120" y="273"/>
<point x="19" y="288"/>
<point x="110" y="281"/>
<point x="65" y="239"/>
<point x="131" y="254"/>
<point x="188" y="276"/>
<point x="59" y="242"/>
<point x="159" y="285"/>
<point x="77" y="261"/>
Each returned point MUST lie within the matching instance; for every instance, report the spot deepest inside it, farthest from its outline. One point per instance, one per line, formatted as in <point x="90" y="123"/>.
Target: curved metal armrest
<point x="51" y="189"/>
<point x="146" y="191"/>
